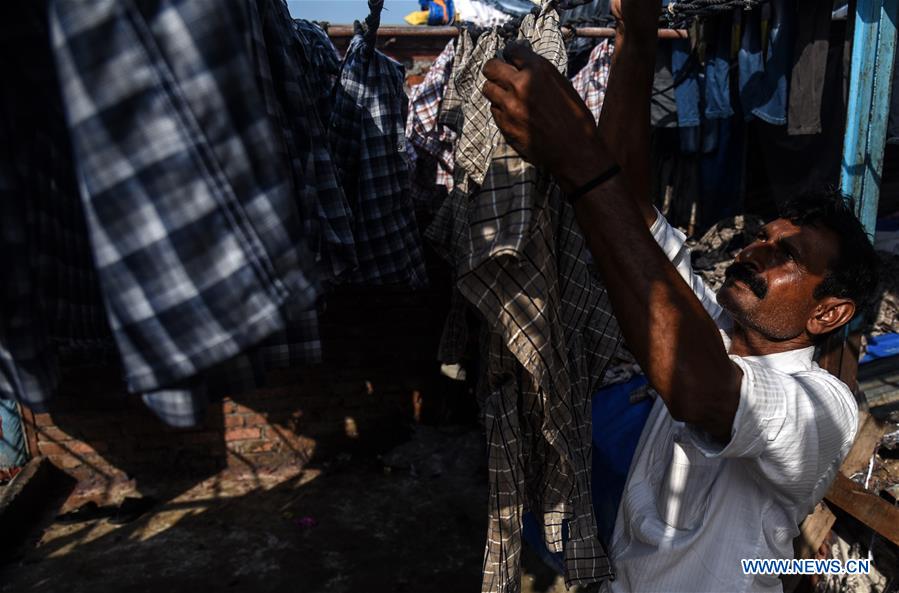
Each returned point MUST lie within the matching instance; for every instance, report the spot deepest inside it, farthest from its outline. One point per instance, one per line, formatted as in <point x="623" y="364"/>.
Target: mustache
<point x="742" y="272"/>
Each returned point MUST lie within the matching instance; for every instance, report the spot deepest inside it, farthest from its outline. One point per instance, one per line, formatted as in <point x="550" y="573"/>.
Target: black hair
<point x="853" y="274"/>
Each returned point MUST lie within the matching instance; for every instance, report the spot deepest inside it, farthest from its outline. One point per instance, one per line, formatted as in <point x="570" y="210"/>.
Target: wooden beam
<point x="870" y="431"/>
<point x="813" y="531"/>
<point x="868" y="508"/>
<point x="817" y="525"/>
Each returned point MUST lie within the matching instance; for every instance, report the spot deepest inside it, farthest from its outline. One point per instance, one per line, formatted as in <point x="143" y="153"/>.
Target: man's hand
<point x="542" y="117"/>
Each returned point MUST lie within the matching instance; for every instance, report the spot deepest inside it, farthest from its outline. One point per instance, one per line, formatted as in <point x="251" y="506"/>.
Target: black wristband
<point x="593" y="183"/>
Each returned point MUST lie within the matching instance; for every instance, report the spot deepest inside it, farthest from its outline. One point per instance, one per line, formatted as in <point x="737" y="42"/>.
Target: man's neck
<point x="748" y="342"/>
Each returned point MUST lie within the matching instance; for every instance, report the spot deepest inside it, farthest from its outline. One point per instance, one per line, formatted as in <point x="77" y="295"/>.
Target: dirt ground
<point x="411" y="521"/>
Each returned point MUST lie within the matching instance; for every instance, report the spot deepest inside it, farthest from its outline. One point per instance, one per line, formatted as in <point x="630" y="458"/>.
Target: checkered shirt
<point x="49" y="300"/>
<point x="432" y="142"/>
<point x="196" y="235"/>
<point x="292" y="79"/>
<point x="593" y="79"/>
<point x="368" y="140"/>
<point x="324" y="60"/>
<point x="550" y="336"/>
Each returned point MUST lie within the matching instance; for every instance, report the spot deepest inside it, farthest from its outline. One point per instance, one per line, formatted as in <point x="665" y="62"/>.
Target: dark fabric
<point x="196" y="234"/>
<point x="809" y="67"/>
<point x="663" y="107"/>
<point x="324" y="60"/>
<point x="764" y="75"/>
<point x="685" y="70"/>
<point x="296" y="83"/>
<point x="368" y="141"/>
<point x="782" y="166"/>
<point x="50" y="300"/>
<point x="717" y="67"/>
<point x="721" y="174"/>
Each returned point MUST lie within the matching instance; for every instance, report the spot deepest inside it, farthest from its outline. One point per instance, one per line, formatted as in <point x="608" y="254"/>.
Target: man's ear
<point x="829" y="314"/>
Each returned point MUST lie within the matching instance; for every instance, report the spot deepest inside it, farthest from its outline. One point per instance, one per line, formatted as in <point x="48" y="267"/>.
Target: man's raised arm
<point x="671" y="335"/>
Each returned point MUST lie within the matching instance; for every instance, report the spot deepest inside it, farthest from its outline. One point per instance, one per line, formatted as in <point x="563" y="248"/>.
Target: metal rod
<point x="402" y="31"/>
<point x="870" y="83"/>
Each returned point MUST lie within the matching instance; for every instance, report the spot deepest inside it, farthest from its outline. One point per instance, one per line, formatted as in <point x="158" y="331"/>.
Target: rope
<point x="681" y="13"/>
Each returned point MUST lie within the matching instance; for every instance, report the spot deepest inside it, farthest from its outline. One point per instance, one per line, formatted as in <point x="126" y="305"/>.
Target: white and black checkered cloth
<point x="293" y="73"/>
<point x="196" y="230"/>
<point x="525" y="267"/>
<point x="429" y="141"/>
<point x="49" y="298"/>
<point x="367" y="131"/>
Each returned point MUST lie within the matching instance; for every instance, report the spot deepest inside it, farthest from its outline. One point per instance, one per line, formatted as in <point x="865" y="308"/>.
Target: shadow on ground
<point x="412" y="520"/>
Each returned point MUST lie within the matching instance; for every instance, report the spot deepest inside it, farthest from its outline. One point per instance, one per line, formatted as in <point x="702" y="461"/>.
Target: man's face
<point x="770" y="287"/>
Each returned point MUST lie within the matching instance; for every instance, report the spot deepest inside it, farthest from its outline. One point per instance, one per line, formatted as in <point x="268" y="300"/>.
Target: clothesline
<point x="449" y="31"/>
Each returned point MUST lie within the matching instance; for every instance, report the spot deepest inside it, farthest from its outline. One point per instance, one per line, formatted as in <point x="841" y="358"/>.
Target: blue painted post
<point x="870" y="83"/>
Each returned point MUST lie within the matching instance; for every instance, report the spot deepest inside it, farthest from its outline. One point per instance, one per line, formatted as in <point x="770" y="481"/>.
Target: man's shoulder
<point x="831" y="396"/>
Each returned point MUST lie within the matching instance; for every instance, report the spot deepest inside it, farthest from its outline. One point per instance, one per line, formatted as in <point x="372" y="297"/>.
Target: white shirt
<point x="692" y="508"/>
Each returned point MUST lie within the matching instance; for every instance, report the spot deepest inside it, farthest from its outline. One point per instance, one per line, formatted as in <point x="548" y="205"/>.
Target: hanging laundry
<point x="480" y="13"/>
<point x="809" y="68"/>
<point x="662" y="106"/>
<point x="685" y="70"/>
<point x="717" y="67"/>
<point x="764" y="75"/>
<point x="591" y="82"/>
<point x="323" y="61"/>
<point x="50" y="300"/>
<point x="368" y="141"/>
<point x="431" y="142"/>
<point x="196" y="235"/>
<point x="291" y="81"/>
<point x="549" y="331"/>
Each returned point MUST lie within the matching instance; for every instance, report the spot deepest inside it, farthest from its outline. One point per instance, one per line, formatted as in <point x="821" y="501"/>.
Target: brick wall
<point x="379" y="376"/>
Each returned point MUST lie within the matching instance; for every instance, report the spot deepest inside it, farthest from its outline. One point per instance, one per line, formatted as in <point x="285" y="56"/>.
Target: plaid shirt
<point x="323" y="60"/>
<point x="197" y="238"/>
<point x="368" y="141"/>
<point x="431" y="141"/>
<point x="49" y="300"/>
<point x="293" y="74"/>
<point x="551" y="333"/>
<point x="593" y="79"/>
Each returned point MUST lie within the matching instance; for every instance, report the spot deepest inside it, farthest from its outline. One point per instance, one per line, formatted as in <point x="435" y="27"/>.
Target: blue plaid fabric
<point x="293" y="78"/>
<point x="49" y="298"/>
<point x="197" y="238"/>
<point x="324" y="60"/>
<point x="368" y="142"/>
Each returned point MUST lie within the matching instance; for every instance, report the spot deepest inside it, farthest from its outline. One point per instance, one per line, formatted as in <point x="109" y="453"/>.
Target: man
<point x="748" y="432"/>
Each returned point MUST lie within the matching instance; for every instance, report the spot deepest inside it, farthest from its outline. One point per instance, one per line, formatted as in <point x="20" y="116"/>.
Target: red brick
<point x="87" y="448"/>
<point x="43" y="420"/>
<point x="47" y="448"/>
<point x="65" y="461"/>
<point x="236" y="408"/>
<point x="255" y="420"/>
<point x="52" y="434"/>
<point x="240" y="434"/>
<point x="233" y="421"/>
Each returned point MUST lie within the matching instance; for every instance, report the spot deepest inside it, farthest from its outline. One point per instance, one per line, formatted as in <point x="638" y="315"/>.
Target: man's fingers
<point x="495" y="94"/>
<point x="519" y="54"/>
<point x="499" y="72"/>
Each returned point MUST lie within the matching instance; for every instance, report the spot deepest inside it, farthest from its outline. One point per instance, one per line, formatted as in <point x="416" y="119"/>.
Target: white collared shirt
<point x="692" y="508"/>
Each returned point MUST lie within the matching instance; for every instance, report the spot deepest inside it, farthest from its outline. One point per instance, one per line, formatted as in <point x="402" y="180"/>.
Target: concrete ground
<point x="412" y="521"/>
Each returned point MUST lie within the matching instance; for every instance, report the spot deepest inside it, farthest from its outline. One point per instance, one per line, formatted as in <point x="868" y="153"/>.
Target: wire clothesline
<point x="386" y="31"/>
